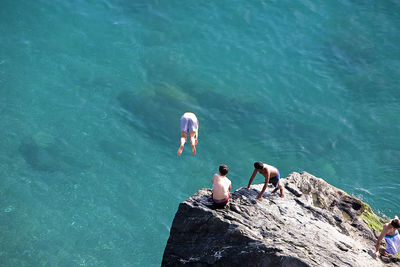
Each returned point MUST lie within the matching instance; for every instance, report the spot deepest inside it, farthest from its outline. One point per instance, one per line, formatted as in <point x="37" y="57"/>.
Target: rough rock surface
<point x="315" y="224"/>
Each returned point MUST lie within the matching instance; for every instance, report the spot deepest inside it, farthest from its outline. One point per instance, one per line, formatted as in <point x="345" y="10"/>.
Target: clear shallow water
<point x="91" y="93"/>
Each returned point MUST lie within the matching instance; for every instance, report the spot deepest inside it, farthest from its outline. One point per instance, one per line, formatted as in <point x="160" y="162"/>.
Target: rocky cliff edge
<point x="315" y="224"/>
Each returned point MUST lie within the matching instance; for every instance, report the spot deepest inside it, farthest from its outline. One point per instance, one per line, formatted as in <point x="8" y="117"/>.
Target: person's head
<point x="395" y="223"/>
<point x="258" y="165"/>
<point x="223" y="169"/>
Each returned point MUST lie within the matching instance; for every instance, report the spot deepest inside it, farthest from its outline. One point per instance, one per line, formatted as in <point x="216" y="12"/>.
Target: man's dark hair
<point x="223" y="169"/>
<point x="395" y="223"/>
<point x="258" y="165"/>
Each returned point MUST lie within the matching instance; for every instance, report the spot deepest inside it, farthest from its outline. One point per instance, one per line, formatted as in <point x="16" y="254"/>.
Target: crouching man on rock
<point x="392" y="239"/>
<point x="271" y="175"/>
<point x="221" y="187"/>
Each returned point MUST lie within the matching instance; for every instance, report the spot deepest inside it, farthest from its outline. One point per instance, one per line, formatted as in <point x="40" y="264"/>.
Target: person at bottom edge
<point x="271" y="175"/>
<point x="392" y="239"/>
<point x="221" y="187"/>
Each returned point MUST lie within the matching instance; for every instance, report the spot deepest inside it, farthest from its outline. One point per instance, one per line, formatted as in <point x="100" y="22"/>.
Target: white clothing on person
<point x="189" y="122"/>
<point x="392" y="243"/>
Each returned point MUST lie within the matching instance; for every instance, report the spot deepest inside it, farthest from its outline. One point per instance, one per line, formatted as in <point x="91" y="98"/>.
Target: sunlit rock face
<point x="315" y="224"/>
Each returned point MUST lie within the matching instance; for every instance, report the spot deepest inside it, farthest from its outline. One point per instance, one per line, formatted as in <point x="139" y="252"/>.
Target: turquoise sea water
<point x="91" y="93"/>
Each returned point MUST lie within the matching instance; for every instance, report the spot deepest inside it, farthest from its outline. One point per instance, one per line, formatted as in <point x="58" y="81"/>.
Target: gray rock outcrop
<point x="315" y="224"/>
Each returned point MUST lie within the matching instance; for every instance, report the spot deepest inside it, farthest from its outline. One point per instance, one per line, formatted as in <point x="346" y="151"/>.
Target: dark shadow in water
<point x="36" y="158"/>
<point x="49" y="159"/>
<point x="157" y="115"/>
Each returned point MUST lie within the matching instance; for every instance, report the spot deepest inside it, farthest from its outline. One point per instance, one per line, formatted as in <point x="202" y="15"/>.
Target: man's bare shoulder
<point x="386" y="228"/>
<point x="270" y="167"/>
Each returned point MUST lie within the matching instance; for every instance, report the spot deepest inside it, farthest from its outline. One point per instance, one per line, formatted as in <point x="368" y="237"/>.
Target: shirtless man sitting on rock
<point x="221" y="187"/>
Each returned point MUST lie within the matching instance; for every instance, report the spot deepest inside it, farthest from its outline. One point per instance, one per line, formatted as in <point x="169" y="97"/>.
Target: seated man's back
<point x="221" y="186"/>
